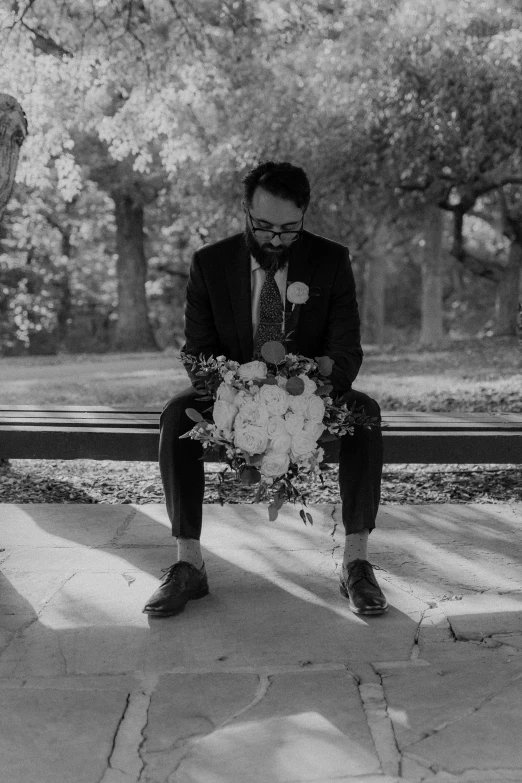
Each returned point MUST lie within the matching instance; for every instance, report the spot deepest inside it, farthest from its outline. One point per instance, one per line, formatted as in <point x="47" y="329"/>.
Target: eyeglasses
<point x="267" y="233"/>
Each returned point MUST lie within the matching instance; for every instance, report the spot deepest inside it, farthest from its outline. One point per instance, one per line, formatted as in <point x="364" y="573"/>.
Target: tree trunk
<point x="432" y="332"/>
<point x="133" y="330"/>
<point x="508" y="292"/>
<point x="63" y="294"/>
<point x="13" y="130"/>
<point x="373" y="305"/>
<point x="64" y="299"/>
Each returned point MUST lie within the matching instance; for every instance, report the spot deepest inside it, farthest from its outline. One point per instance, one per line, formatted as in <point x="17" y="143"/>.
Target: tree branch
<point x="45" y="44"/>
<point x="26" y="9"/>
<point x="196" y="37"/>
<point x="480" y="267"/>
<point x="497" y="184"/>
<point x="164" y="269"/>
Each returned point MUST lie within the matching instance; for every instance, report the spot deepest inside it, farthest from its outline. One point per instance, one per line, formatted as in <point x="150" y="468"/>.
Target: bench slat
<point x="76" y="415"/>
<point x="74" y="408"/>
<point x="81" y="421"/>
<point x="103" y="411"/>
<point x="441" y="422"/>
<point x="131" y="444"/>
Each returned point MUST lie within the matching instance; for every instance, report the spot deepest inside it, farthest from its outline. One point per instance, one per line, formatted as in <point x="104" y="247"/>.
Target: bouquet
<point x="269" y="418"/>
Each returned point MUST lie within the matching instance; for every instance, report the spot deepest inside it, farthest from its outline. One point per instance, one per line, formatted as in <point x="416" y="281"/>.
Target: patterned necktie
<point x="270" y="312"/>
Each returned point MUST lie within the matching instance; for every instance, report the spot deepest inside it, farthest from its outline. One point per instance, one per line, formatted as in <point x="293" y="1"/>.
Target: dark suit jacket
<point x="218" y="312"/>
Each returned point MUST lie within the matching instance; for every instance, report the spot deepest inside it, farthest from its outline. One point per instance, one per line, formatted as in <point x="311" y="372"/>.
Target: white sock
<point x="355" y="547"/>
<point x="189" y="550"/>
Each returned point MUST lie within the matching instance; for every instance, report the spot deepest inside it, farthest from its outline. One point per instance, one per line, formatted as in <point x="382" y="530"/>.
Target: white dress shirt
<point x="258" y="276"/>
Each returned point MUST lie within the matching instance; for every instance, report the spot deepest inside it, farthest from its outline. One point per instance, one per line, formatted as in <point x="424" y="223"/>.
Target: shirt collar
<point x="254" y="266"/>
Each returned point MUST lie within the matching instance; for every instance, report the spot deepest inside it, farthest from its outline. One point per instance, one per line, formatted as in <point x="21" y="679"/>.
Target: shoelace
<point x="363" y="570"/>
<point x="170" y="571"/>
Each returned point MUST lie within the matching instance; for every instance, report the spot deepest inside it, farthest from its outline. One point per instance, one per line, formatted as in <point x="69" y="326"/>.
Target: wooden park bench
<point x="98" y="432"/>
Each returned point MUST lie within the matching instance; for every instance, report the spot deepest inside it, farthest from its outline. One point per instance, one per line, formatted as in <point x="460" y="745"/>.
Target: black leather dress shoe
<point x="362" y="589"/>
<point x="182" y="583"/>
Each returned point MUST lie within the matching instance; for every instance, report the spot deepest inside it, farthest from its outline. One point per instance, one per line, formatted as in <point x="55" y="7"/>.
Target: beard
<point x="267" y="256"/>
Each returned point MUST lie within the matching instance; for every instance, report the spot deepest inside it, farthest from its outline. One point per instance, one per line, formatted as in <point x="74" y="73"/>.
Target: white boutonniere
<point x="297" y="293"/>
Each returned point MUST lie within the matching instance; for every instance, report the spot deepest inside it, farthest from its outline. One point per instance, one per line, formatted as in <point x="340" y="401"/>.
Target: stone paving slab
<point x="480" y="616"/>
<point x="428" y="697"/>
<point x="270" y="677"/>
<point x="300" y="726"/>
<point x="48" y="735"/>
<point x="469" y="717"/>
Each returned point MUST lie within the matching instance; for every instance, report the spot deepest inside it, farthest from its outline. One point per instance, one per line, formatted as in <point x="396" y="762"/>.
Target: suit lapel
<point x="240" y="288"/>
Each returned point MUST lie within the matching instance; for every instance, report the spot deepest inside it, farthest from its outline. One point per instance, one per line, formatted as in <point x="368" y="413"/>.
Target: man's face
<point x="271" y="212"/>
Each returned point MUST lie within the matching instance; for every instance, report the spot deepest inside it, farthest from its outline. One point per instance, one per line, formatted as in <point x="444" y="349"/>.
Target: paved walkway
<point x="270" y="678"/>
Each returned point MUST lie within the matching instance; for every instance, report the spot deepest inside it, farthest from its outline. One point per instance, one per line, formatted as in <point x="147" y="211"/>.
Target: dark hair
<point x="280" y="179"/>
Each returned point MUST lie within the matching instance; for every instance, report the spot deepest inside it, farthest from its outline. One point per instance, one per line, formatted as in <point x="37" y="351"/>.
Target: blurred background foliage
<point x="144" y="114"/>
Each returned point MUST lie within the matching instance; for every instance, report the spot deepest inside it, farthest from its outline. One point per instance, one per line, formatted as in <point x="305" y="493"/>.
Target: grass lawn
<point x="143" y="380"/>
<point x="479" y="375"/>
<point x="475" y="375"/>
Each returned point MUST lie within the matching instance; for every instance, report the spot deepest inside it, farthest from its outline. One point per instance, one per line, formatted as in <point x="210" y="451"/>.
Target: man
<point x="236" y="300"/>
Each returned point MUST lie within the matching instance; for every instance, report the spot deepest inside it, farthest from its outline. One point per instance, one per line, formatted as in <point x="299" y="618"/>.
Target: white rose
<point x="229" y="376"/>
<point x="276" y="426"/>
<point x="246" y="408"/>
<point x="224" y="414"/>
<point x="281" y="443"/>
<point x="315" y="409"/>
<point x="275" y="399"/>
<point x="274" y="464"/>
<point x="253" y="440"/>
<point x="226" y="392"/>
<point x="260" y="416"/>
<point x="252" y="370"/>
<point x="298" y="404"/>
<point x="297" y="293"/>
<point x="314" y="429"/>
<point x="252" y="413"/>
<point x="310" y="386"/>
<point x="302" y="444"/>
<point x="242" y="398"/>
<point x="294" y="422"/>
